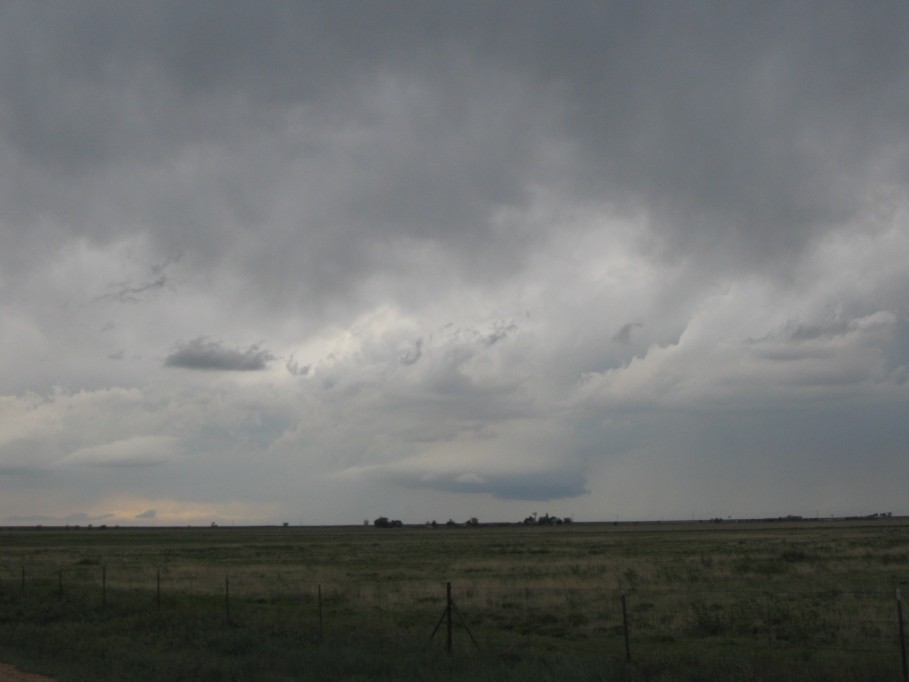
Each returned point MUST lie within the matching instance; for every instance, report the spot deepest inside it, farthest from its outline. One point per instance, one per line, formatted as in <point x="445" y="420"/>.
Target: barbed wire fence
<point x="634" y="625"/>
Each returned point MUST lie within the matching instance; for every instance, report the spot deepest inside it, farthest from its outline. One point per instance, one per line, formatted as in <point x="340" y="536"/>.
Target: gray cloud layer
<point x="511" y="251"/>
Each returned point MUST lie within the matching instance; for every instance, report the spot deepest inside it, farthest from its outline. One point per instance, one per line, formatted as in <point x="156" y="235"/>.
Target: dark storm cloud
<point x="550" y="485"/>
<point x="743" y="130"/>
<point x="753" y="125"/>
<point x="524" y="486"/>
<point x="345" y="178"/>
<point x="203" y="354"/>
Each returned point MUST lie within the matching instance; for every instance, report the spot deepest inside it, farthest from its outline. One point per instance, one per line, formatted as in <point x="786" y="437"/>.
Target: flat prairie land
<point x="632" y="601"/>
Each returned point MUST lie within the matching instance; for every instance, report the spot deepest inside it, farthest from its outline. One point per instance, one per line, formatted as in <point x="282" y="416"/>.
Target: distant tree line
<point x="545" y="520"/>
<point x="473" y="521"/>
<point x="796" y="517"/>
<point x="869" y="517"/>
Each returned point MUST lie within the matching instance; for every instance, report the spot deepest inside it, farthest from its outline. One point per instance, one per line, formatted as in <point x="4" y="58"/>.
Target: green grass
<point x="735" y="601"/>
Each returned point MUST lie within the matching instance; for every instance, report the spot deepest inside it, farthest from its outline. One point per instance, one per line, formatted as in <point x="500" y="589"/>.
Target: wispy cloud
<point x="133" y="291"/>
<point x="296" y="368"/>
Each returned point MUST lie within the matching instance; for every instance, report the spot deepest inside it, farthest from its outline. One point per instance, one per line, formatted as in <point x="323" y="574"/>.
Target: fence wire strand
<point x="712" y="624"/>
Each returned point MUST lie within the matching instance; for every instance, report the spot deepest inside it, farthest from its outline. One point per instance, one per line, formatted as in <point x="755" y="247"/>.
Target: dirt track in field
<point x="9" y="673"/>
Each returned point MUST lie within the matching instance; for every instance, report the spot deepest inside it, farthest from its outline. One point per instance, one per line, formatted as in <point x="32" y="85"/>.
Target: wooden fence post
<point x="448" y="641"/>
<point x="899" y="616"/>
<point x="625" y="629"/>
<point x="319" y="601"/>
<point x="227" y="598"/>
<point x="528" y="621"/>
<point x="446" y="618"/>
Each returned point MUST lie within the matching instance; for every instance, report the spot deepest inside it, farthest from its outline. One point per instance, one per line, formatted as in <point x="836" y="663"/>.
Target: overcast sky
<point x="322" y="262"/>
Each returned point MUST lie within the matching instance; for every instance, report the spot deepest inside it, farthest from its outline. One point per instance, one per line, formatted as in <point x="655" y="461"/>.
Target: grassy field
<point x="736" y="601"/>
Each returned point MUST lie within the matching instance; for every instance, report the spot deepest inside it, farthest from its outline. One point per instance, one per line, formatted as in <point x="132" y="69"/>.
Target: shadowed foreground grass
<point x="757" y="602"/>
<point x="123" y="644"/>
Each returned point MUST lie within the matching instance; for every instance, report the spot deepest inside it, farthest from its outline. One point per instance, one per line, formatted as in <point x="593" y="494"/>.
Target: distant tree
<point x="545" y="520"/>
<point x="473" y="521"/>
<point x="385" y="522"/>
<point x="451" y="522"/>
